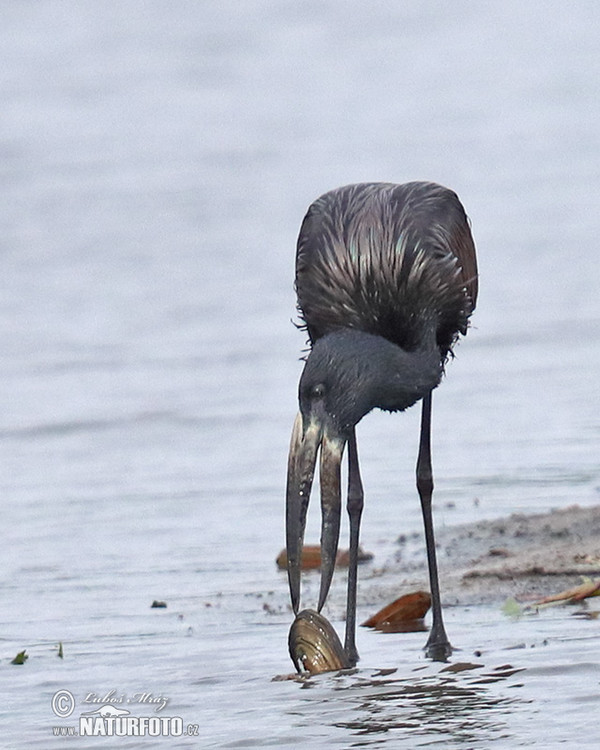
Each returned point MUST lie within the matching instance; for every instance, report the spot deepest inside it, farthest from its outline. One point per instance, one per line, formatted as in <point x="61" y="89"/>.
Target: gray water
<point x="156" y="160"/>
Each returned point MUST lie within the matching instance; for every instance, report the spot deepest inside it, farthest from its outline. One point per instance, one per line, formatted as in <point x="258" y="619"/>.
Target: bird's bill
<point x="304" y="445"/>
<point x="301" y="468"/>
<point x="332" y="448"/>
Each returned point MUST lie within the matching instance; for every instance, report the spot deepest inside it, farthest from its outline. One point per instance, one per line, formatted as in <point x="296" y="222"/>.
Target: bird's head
<point x="346" y="374"/>
<point x="339" y="383"/>
<point x="331" y="401"/>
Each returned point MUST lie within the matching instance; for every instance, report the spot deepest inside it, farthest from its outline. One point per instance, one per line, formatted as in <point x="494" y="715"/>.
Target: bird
<point x="386" y="281"/>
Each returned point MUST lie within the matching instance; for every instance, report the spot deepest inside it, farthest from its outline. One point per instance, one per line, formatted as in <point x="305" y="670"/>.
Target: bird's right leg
<point x="438" y="647"/>
<point x="354" y="506"/>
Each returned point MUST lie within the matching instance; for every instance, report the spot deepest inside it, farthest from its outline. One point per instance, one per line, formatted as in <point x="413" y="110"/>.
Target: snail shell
<point x="314" y="644"/>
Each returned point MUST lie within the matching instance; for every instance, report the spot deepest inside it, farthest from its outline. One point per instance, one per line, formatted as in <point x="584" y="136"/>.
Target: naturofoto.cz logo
<point x="110" y="719"/>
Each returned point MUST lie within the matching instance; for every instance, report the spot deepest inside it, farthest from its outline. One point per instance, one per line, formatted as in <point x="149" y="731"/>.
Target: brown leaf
<point x="407" y="609"/>
<point x="577" y="594"/>
<point x="311" y="557"/>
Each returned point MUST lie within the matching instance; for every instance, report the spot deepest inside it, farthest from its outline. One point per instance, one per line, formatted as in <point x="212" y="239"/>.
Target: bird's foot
<point x="438" y="650"/>
<point x="351" y="655"/>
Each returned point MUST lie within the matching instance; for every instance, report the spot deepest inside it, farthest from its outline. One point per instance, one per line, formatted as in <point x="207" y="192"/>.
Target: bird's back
<point x="392" y="260"/>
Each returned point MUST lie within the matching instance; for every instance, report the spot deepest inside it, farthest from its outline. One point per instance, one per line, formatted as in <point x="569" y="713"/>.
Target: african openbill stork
<point x="386" y="278"/>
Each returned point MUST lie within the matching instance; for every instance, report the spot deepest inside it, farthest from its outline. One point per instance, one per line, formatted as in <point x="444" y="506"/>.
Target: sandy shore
<point x="522" y="556"/>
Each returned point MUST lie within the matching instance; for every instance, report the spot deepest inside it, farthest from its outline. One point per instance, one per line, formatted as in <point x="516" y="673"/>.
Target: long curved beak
<point x="305" y="443"/>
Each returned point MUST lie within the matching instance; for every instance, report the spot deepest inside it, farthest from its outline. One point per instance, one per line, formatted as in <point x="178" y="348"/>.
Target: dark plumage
<point x="386" y="278"/>
<point x="387" y="259"/>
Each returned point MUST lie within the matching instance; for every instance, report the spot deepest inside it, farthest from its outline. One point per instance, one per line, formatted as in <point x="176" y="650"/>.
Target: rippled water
<point x="156" y="160"/>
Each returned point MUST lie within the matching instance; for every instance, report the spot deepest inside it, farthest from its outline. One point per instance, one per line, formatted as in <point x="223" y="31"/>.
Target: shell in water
<point x="314" y="644"/>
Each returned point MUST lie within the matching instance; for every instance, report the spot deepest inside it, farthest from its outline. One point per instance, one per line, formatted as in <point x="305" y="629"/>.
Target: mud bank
<point x="523" y="556"/>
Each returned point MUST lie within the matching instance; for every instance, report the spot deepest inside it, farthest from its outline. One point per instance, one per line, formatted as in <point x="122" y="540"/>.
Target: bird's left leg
<point x="437" y="647"/>
<point x="355" y="507"/>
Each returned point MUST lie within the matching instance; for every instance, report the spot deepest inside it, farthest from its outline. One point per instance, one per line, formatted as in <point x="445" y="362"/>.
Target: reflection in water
<point x="451" y="704"/>
<point x="409" y="626"/>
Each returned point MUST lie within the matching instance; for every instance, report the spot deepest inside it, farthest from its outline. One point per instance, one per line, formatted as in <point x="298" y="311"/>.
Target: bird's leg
<point x="437" y="647"/>
<point x="354" y="506"/>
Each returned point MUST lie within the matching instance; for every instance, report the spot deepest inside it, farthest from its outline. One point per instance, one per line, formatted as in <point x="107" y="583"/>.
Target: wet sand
<point x="521" y="556"/>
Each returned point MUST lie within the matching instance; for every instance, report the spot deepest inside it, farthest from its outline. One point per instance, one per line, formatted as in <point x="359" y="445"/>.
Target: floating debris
<point x="311" y="557"/>
<point x="499" y="552"/>
<point x="587" y="615"/>
<point x="461" y="666"/>
<point x="403" y="615"/>
<point x="314" y="645"/>
<point x="20" y="658"/>
<point x="511" y="608"/>
<point x="577" y="594"/>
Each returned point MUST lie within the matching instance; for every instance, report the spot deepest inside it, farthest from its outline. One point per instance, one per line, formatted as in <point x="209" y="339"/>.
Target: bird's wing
<point x="385" y="258"/>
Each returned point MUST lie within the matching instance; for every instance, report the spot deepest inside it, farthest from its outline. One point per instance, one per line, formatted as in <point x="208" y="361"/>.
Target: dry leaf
<point x="577" y="594"/>
<point x="311" y="557"/>
<point x="403" y="614"/>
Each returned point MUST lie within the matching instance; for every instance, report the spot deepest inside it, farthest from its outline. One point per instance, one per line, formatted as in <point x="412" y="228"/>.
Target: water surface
<point x="156" y="162"/>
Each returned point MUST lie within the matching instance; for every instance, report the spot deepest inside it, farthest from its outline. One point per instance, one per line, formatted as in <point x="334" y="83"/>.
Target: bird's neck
<point x="405" y="377"/>
<point x="397" y="378"/>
